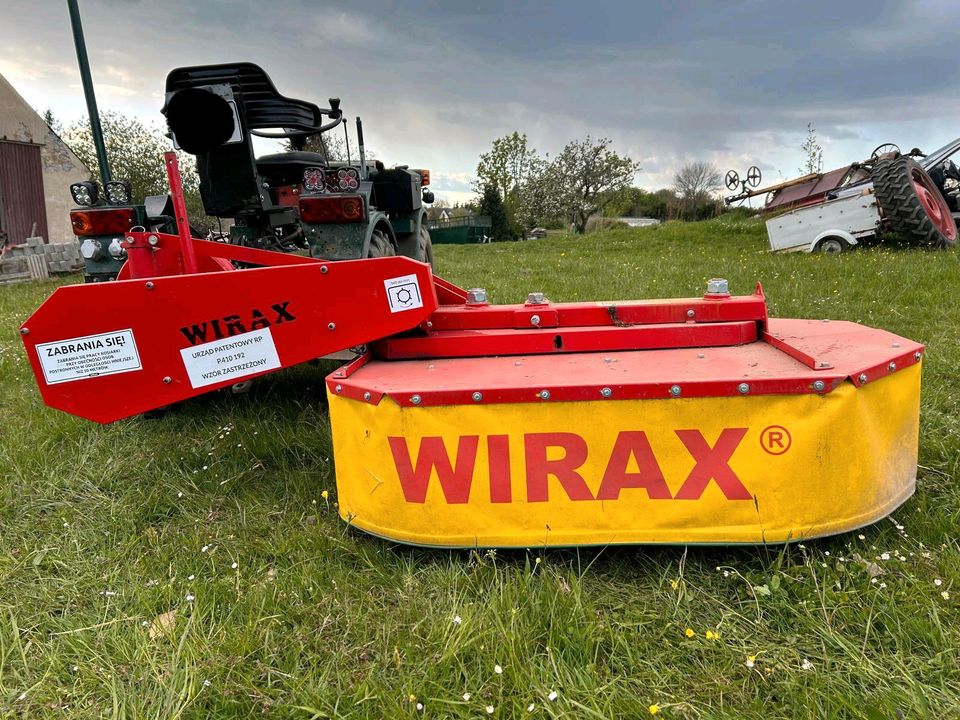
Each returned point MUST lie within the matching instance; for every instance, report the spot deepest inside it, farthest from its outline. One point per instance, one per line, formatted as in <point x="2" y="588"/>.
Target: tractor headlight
<point x="85" y="193"/>
<point x="118" y="192"/>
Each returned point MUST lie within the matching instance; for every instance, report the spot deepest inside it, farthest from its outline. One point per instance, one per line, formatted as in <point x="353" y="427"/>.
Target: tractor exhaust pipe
<point x="88" y="93"/>
<point x="363" y="158"/>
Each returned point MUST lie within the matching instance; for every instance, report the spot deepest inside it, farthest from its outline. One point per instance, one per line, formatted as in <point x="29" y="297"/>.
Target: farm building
<point x="36" y="170"/>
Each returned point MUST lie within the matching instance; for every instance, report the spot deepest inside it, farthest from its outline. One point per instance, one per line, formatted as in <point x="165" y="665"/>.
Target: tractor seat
<point x="287" y="168"/>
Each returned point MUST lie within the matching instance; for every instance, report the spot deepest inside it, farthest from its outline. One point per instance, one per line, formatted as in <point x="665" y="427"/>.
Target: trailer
<point x="833" y="226"/>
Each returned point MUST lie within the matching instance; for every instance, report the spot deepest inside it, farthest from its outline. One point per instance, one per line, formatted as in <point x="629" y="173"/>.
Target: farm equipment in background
<point x="834" y="211"/>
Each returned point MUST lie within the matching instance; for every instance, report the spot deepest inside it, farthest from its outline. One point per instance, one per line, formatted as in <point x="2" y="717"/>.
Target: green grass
<point x="103" y="529"/>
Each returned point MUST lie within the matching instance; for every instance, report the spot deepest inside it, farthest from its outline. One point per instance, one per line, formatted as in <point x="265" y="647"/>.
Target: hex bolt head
<point x="917" y="355"/>
<point x="429" y="324"/>
<point x="24" y="331"/>
<point x="534" y="320"/>
<point x="153" y="239"/>
<point x="331" y="326"/>
<point x="536" y="298"/>
<point x="819" y="385"/>
<point x="338" y="389"/>
<point x="544" y="394"/>
<point x="477" y="396"/>
<point x="324" y="269"/>
<point x="743" y="388"/>
<point x="675" y="390"/>
<point x="476" y="296"/>
<point x="691" y="313"/>
<point x="606" y="392"/>
<point x="167" y="380"/>
<point x="367" y="396"/>
<point x="149" y="286"/>
<point x="862" y="378"/>
<point x="718" y="286"/>
<point x="416" y="399"/>
<point x="892" y="366"/>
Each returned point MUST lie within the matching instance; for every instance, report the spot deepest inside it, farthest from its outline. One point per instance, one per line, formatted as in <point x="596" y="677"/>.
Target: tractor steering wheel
<point x="884" y="149"/>
<point x="299" y="133"/>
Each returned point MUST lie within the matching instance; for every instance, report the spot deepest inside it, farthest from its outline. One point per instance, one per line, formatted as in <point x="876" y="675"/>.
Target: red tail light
<point x="102" y="222"/>
<point x="332" y="208"/>
<point x="424" y="177"/>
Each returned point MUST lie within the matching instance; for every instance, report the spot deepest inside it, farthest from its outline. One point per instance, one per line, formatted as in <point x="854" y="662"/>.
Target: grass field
<point x="194" y="566"/>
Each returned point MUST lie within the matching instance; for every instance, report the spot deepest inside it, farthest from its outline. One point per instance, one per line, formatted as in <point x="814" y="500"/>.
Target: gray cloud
<point x="735" y="82"/>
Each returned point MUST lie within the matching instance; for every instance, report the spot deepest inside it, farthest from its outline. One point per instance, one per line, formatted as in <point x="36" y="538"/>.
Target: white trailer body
<point x="846" y="219"/>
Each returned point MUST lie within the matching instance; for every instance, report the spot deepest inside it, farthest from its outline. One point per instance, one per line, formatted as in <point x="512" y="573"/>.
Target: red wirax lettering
<point x="561" y="455"/>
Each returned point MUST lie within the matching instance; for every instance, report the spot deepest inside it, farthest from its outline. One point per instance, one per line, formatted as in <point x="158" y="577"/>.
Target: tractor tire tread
<point x="893" y="188"/>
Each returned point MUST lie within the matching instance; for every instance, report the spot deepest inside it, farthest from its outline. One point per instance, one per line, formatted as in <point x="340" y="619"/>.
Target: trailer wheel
<point x="912" y="204"/>
<point x="380" y="245"/>
<point x="426" y="247"/>
<point x="832" y="245"/>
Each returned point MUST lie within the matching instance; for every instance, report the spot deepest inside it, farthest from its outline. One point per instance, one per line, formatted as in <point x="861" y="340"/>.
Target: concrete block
<point x="35" y="241"/>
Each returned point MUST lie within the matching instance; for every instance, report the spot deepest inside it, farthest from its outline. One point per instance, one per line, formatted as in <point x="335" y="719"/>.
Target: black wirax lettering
<point x="230" y="325"/>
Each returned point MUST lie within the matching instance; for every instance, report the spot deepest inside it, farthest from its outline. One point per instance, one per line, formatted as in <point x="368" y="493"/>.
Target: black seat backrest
<point x="229" y="181"/>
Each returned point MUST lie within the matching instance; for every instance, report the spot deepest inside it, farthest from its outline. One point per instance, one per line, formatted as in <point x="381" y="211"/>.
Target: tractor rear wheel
<point x="426" y="247"/>
<point x="380" y="245"/>
<point x="912" y="203"/>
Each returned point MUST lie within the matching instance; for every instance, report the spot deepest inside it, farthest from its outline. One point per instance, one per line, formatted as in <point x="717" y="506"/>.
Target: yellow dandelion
<point x="654" y="709"/>
<point x="324" y="494"/>
<point x="412" y="698"/>
<point x="674" y="584"/>
<point x="689" y="632"/>
<point x="711" y="635"/>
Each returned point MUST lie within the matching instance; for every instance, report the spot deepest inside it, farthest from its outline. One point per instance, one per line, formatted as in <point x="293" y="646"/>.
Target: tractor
<point x="296" y="201"/>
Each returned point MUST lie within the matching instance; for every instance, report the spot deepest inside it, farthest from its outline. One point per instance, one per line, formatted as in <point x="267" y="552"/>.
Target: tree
<point x="507" y="166"/>
<point x="583" y="179"/>
<point x="491" y="204"/>
<point x="694" y="184"/>
<point x="51" y="121"/>
<point x="812" y="151"/>
<point x="135" y="152"/>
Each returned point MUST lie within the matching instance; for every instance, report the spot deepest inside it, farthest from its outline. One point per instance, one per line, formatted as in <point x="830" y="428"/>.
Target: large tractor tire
<point x="380" y="245"/>
<point x="912" y="203"/>
<point x="426" y="247"/>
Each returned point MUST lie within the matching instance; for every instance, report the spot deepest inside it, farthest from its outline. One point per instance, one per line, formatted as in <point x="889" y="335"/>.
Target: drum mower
<point x="464" y="423"/>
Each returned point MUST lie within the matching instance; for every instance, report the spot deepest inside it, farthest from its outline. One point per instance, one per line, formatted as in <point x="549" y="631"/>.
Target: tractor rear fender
<point x="843" y="234"/>
<point x="346" y="241"/>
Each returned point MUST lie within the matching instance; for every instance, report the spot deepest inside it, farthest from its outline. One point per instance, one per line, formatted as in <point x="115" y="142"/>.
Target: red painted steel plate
<point x="753" y="369"/>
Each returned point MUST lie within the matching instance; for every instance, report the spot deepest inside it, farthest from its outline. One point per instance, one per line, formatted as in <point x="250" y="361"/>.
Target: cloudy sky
<point x="732" y="82"/>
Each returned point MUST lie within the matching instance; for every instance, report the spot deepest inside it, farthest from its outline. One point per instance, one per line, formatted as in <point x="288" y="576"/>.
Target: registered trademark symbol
<point x="775" y="439"/>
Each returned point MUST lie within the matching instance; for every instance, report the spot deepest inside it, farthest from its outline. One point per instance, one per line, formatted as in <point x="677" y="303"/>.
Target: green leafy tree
<point x="507" y="166"/>
<point x="812" y="151"/>
<point x="583" y="179"/>
<point x="135" y="152"/>
<point x="491" y="204"/>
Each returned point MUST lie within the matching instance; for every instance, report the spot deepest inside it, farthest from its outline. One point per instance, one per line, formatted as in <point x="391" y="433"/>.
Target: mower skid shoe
<point x="112" y="350"/>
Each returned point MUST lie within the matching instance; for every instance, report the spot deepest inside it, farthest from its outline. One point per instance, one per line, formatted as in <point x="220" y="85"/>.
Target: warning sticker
<point x="232" y="358"/>
<point x="403" y="293"/>
<point x="89" y="356"/>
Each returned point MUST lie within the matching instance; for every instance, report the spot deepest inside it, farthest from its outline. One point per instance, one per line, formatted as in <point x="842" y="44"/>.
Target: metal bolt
<point x="331" y="326"/>
<point x="691" y="312"/>
<point x="862" y="378"/>
<point x="892" y="366"/>
<point x="149" y="286"/>
<point x="429" y="324"/>
<point x="544" y="394"/>
<point x="477" y="396"/>
<point x="675" y="390"/>
<point x="366" y="396"/>
<point x="415" y="399"/>
<point x="167" y="380"/>
<point x="718" y="286"/>
<point x="917" y="355"/>
<point x="153" y="239"/>
<point x="536" y="298"/>
<point x="606" y="392"/>
<point x="324" y="269"/>
<point x="476" y="296"/>
<point x="338" y="389"/>
<point x="743" y="388"/>
<point x="534" y="320"/>
<point x="24" y="331"/>
<point x="819" y="385"/>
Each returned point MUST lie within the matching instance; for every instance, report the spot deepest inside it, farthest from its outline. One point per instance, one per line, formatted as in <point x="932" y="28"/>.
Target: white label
<point x="403" y="293"/>
<point x="232" y="358"/>
<point x="89" y="356"/>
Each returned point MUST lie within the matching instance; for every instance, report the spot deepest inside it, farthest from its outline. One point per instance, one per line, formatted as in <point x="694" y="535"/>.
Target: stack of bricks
<point x="57" y="257"/>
